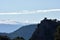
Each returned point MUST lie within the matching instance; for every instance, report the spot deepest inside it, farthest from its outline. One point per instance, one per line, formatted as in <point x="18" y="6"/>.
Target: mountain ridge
<point x="46" y="30"/>
<point x="25" y="32"/>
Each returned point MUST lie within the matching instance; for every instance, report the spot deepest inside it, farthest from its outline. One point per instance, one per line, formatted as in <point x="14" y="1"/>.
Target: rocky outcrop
<point x="45" y="30"/>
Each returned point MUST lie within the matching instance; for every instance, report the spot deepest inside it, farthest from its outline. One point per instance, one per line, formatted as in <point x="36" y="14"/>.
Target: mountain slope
<point x="45" y="30"/>
<point x="25" y="31"/>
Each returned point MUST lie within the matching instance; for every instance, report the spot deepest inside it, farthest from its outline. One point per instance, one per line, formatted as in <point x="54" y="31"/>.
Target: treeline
<point x="7" y="38"/>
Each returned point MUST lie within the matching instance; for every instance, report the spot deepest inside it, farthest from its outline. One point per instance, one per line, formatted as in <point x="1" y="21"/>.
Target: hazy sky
<point x="27" y="6"/>
<point x="28" y="11"/>
<point x="17" y="5"/>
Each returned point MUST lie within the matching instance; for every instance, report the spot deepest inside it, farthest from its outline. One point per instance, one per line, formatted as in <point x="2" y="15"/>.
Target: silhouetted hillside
<point x="25" y="32"/>
<point x="45" y="30"/>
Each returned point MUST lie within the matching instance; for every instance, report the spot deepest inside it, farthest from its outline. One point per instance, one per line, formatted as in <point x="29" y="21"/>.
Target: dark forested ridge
<point x="48" y="29"/>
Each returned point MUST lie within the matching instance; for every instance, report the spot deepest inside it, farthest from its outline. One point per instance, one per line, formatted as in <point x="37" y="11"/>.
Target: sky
<point x="28" y="11"/>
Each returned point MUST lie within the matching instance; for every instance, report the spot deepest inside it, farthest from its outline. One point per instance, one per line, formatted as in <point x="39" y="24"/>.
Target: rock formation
<point x="45" y="30"/>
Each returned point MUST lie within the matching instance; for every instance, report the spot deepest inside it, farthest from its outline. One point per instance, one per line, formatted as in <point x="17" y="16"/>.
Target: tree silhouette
<point x="57" y="33"/>
<point x="4" y="38"/>
<point x="19" y="38"/>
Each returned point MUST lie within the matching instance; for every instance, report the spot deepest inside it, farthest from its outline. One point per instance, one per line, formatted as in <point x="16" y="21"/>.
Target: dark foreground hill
<point x="46" y="30"/>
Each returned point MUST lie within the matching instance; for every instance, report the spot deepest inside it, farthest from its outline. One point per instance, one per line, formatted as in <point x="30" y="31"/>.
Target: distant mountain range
<point x="24" y="31"/>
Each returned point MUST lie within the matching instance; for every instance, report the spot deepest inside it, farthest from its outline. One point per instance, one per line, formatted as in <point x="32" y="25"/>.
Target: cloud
<point x="50" y="10"/>
<point x="30" y="21"/>
<point x="8" y="22"/>
<point x="33" y="11"/>
<point x="17" y="22"/>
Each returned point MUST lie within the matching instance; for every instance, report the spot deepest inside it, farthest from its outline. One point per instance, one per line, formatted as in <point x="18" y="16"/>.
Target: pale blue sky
<point x="17" y="5"/>
<point x="9" y="6"/>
